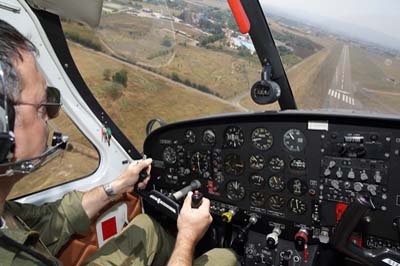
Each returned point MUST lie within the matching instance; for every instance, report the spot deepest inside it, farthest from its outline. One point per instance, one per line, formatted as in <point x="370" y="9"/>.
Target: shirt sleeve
<point x="55" y="221"/>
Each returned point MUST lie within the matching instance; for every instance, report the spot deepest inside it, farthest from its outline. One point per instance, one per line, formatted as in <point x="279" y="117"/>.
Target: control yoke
<point x="351" y="217"/>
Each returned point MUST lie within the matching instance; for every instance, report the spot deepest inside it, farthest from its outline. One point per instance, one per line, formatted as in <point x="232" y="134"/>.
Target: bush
<point x="167" y="42"/>
<point x="107" y="74"/>
<point x="121" y="77"/>
<point x="114" y="91"/>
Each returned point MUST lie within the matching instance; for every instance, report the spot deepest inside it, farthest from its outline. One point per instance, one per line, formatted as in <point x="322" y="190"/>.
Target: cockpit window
<point x="78" y="150"/>
<point x="172" y="60"/>
<point x="342" y="54"/>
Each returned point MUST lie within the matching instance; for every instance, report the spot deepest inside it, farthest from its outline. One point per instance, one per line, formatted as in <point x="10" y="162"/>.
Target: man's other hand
<point x="128" y="179"/>
<point x="193" y="223"/>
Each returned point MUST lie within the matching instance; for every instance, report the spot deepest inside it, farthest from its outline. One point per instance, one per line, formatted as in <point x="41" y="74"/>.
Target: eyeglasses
<point x="52" y="104"/>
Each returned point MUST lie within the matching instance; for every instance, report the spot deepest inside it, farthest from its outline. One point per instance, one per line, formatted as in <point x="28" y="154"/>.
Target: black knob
<point x="271" y="243"/>
<point x="197" y="199"/>
<point x="299" y="243"/>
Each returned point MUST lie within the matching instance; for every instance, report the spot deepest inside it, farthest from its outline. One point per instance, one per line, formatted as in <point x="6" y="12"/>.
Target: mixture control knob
<point x="364" y="176"/>
<point x="351" y="174"/>
<point x="378" y="177"/>
<point x="358" y="186"/>
<point x="339" y="173"/>
<point x="273" y="238"/>
<point x="300" y="239"/>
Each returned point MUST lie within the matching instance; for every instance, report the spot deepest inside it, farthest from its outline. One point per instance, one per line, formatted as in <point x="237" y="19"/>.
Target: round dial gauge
<point x="297" y="186"/>
<point x="276" y="183"/>
<point x="262" y="138"/>
<point x="257" y="199"/>
<point x="257" y="162"/>
<point x="276" y="164"/>
<point x="199" y="163"/>
<point x="235" y="191"/>
<point x="209" y="137"/>
<point x="234" y="137"/>
<point x="294" y="140"/>
<point x="169" y="155"/>
<point x="298" y="164"/>
<point x="190" y="136"/>
<point x="297" y="206"/>
<point x="257" y="180"/>
<point x="233" y="165"/>
<point x="276" y="202"/>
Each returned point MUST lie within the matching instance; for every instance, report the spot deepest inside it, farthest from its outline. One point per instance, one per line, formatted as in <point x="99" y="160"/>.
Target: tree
<point x="121" y="77"/>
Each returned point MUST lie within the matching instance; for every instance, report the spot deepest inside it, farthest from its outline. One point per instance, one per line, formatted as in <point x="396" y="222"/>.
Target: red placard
<point x="109" y="228"/>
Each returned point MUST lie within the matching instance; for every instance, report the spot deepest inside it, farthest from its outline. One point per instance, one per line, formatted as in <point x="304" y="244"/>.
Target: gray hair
<point x="11" y="44"/>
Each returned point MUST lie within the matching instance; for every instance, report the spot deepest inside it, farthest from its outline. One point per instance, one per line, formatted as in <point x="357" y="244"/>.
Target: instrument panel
<point x="298" y="169"/>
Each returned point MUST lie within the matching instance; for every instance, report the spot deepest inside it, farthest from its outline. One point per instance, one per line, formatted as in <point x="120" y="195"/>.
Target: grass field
<point x="146" y="96"/>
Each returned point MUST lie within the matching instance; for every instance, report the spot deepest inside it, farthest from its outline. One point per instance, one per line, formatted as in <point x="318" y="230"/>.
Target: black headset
<point x="7" y="139"/>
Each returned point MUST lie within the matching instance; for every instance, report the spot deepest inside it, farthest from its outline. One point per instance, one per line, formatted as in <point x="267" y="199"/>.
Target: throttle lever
<point x="350" y="218"/>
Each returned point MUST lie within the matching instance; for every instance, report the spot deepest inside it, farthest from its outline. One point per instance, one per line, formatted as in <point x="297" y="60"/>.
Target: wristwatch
<point x="109" y="190"/>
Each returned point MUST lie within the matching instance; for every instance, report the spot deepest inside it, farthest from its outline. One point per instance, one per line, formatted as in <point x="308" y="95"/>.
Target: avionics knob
<point x="357" y="186"/>
<point x="372" y="189"/>
<point x="351" y="174"/>
<point x="273" y="238"/>
<point x="378" y="177"/>
<point x="339" y="173"/>
<point x="364" y="176"/>
<point x="335" y="184"/>
<point x="300" y="239"/>
<point x="286" y="256"/>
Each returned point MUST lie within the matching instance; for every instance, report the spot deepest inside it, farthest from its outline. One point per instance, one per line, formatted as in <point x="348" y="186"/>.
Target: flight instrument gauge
<point x="233" y="165"/>
<point x="199" y="163"/>
<point x="169" y="155"/>
<point x="257" y="198"/>
<point x="276" y="202"/>
<point x="257" y="162"/>
<point x="262" y="138"/>
<point x="235" y="191"/>
<point x="276" y="183"/>
<point x="190" y="136"/>
<point x="257" y="180"/>
<point x="294" y="140"/>
<point x="297" y="206"/>
<point x="276" y="164"/>
<point x="297" y="186"/>
<point x="234" y="137"/>
<point x="209" y="137"/>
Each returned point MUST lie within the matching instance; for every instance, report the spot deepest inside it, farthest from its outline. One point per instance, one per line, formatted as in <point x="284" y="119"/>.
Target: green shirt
<point x="46" y="228"/>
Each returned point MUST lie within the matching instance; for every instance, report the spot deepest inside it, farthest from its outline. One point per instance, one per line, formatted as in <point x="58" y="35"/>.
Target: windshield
<point x="178" y="60"/>
<point x="347" y="53"/>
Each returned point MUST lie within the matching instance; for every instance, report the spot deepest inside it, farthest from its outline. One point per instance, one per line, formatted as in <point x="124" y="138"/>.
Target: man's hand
<point x="193" y="223"/>
<point x="127" y="180"/>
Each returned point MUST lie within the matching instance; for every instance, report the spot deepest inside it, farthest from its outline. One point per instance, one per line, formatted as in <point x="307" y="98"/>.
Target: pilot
<point x="33" y="235"/>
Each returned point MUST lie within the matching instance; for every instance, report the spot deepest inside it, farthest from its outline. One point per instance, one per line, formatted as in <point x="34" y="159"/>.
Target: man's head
<point x="26" y="91"/>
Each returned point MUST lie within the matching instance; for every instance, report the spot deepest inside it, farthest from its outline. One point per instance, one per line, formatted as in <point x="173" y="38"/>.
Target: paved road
<point x="340" y="94"/>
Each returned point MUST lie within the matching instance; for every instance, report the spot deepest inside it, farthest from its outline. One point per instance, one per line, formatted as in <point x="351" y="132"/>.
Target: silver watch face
<point x="108" y="189"/>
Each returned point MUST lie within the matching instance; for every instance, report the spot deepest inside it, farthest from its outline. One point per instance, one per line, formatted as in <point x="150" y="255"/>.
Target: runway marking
<point x="341" y="95"/>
